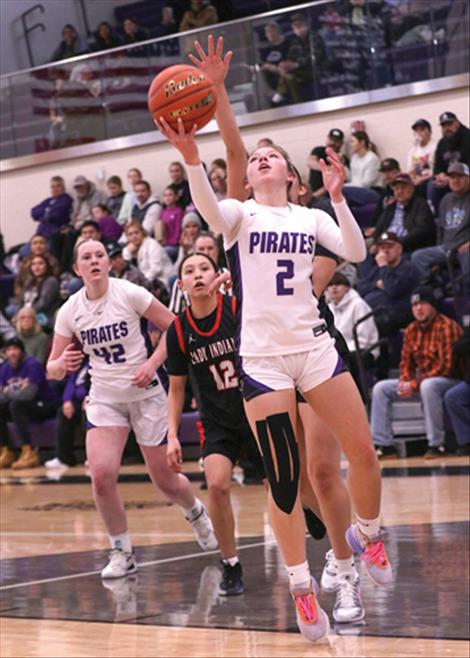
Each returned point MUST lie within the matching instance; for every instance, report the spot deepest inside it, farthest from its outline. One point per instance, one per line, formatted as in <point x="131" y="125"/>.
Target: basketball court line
<point x="140" y="564"/>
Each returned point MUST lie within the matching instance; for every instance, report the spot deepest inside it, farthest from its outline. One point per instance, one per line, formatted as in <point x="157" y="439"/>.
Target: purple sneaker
<point x="373" y="555"/>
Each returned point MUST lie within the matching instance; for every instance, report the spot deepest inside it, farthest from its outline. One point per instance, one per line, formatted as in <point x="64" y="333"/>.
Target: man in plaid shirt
<point x="425" y="370"/>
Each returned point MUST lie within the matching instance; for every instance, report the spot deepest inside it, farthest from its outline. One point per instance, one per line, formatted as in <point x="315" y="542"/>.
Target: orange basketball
<point x="182" y="91"/>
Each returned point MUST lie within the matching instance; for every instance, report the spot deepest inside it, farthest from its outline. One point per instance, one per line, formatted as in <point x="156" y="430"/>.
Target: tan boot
<point x="7" y="457"/>
<point x="29" y="458"/>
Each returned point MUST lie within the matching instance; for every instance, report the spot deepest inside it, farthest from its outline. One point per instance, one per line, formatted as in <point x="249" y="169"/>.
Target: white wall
<point x="388" y="125"/>
<point x="13" y="51"/>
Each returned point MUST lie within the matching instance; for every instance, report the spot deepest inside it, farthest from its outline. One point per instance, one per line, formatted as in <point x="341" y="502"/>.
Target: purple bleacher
<point x="188" y="433"/>
<point x="7" y="285"/>
<point x="43" y="435"/>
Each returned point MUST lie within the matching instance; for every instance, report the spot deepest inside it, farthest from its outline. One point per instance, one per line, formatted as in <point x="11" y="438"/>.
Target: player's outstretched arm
<point x="201" y="191"/>
<point x="215" y="66"/>
<point x="161" y="317"/>
<point x="64" y="358"/>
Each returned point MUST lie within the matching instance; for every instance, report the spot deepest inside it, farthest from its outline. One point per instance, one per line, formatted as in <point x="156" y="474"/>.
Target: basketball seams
<point x="184" y="68"/>
<point x="189" y="92"/>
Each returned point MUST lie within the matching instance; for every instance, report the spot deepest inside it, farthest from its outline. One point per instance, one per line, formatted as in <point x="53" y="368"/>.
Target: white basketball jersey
<point x="109" y="330"/>
<point x="270" y="259"/>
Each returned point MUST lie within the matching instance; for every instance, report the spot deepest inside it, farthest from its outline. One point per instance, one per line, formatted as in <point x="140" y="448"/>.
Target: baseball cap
<point x="447" y="117"/>
<point x="421" y="123"/>
<point x="14" y="341"/>
<point x="402" y="178"/>
<point x="423" y="294"/>
<point x="388" y="236"/>
<point x="336" y="133"/>
<point x="459" y="168"/>
<point x="113" y="249"/>
<point x="79" y="180"/>
<point x="388" y="164"/>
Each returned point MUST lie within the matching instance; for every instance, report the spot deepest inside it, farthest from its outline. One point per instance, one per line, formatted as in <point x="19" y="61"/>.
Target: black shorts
<point x="220" y="440"/>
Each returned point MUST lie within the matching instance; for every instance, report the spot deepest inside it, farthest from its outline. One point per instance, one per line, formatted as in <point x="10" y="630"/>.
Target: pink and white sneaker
<point x="312" y="621"/>
<point x="372" y="554"/>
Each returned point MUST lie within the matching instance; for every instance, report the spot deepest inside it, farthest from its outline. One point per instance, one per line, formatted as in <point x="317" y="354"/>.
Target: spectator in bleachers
<point x="453" y="225"/>
<point x="389" y="168"/>
<point x="409" y="216"/>
<point x="55" y="211"/>
<point x="457" y="398"/>
<point x="454" y="146"/>
<point x="425" y="371"/>
<point x="37" y="247"/>
<point x="365" y="164"/>
<point x="40" y="291"/>
<point x="72" y="44"/>
<point x="348" y="307"/>
<point x="420" y="159"/>
<point x="167" y="24"/>
<point x="172" y="220"/>
<point x="133" y="33"/>
<point x="179" y="184"/>
<point x="7" y="330"/>
<point x="35" y="341"/>
<point x="386" y="280"/>
<point x="116" y="197"/>
<point x="334" y="140"/>
<point x="25" y="396"/>
<point x="123" y="269"/>
<point x="147" y="208"/>
<point x="218" y="181"/>
<point x="134" y="176"/>
<point x="86" y="196"/>
<point x="271" y="57"/>
<point x="90" y="230"/>
<point x="106" y="38"/>
<point x="264" y="141"/>
<point x="297" y="69"/>
<point x="145" y="252"/>
<point x="201" y="14"/>
<point x="70" y="417"/>
<point x="110" y="229"/>
<point x="191" y="228"/>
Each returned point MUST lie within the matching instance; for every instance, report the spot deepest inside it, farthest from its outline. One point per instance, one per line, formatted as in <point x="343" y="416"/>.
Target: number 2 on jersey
<point x="281" y="277"/>
<point x="224" y="375"/>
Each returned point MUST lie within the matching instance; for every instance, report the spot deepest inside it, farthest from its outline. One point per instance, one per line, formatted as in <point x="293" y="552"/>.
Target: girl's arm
<point x="64" y="357"/>
<point x="175" y="410"/>
<point x="216" y="66"/>
<point x="161" y="317"/>
<point x="222" y="218"/>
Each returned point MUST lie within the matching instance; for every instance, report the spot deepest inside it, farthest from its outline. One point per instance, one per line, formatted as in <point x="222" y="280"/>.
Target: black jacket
<point x="419" y="223"/>
<point x="455" y="149"/>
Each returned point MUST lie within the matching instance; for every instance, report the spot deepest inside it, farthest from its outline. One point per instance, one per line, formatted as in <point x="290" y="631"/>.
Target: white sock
<point x="192" y="513"/>
<point x="346" y="567"/>
<point x="232" y="561"/>
<point x="369" y="527"/>
<point x="121" y="542"/>
<point x="299" y="576"/>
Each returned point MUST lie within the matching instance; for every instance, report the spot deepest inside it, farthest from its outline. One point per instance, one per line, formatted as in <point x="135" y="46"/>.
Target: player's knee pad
<point x="284" y="483"/>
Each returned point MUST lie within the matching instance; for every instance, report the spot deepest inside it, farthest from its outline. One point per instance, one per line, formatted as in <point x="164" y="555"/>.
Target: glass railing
<point x="316" y="51"/>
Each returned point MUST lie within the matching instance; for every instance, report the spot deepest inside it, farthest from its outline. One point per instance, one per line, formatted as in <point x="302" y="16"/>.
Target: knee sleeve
<point x="284" y="484"/>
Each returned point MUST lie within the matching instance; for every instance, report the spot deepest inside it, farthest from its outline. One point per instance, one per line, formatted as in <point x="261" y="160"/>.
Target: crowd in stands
<point x="418" y="258"/>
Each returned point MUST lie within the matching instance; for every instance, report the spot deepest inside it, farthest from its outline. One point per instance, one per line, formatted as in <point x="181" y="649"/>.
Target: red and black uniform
<point x="204" y="349"/>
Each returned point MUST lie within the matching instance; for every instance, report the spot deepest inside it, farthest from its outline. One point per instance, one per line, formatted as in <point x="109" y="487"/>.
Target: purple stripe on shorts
<point x="89" y="425"/>
<point x="250" y="387"/>
<point x="339" y="367"/>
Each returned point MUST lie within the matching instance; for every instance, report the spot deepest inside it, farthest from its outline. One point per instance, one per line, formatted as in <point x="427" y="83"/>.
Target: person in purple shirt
<point x="110" y="229"/>
<point x="70" y="416"/>
<point x="54" y="212"/>
<point x="25" y="396"/>
<point x="172" y="218"/>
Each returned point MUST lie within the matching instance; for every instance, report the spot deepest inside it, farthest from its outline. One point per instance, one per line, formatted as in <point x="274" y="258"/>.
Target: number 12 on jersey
<point x="224" y="375"/>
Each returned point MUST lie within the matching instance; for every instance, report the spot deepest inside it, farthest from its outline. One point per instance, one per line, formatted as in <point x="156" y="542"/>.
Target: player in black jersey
<point x="201" y="345"/>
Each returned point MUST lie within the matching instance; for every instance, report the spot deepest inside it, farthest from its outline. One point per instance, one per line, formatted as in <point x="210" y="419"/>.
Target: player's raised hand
<point x="72" y="358"/>
<point x="174" y="455"/>
<point x="183" y="141"/>
<point x="333" y="174"/>
<point x="221" y="278"/>
<point x="213" y="64"/>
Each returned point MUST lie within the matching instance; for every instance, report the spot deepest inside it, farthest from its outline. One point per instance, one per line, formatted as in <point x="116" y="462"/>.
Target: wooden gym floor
<point x="54" y="603"/>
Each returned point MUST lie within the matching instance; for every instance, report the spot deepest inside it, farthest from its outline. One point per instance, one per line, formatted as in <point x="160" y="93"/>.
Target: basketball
<point x="182" y="91"/>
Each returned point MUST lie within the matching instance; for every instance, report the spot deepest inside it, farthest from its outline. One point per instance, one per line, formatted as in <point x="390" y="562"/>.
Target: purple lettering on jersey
<point x="311" y="240"/>
<point x="293" y="247"/>
<point x="83" y="337"/>
<point x="271" y="246"/>
<point x="93" y="336"/>
<point x="303" y="243"/>
<point x="254" y="240"/>
<point x="284" y="243"/>
<point x="123" y="329"/>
